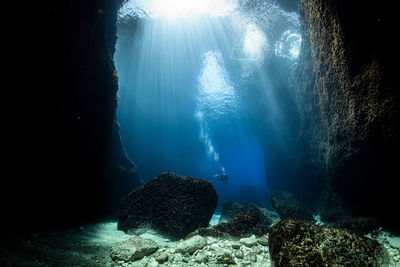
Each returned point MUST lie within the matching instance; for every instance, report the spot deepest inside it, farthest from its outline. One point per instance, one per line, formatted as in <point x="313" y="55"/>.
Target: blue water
<point x="206" y="94"/>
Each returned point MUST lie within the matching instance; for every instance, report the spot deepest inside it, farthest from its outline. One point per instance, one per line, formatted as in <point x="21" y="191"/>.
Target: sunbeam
<point x="196" y="93"/>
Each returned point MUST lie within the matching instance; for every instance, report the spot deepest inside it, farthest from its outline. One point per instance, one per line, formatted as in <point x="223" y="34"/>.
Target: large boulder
<point x="288" y="206"/>
<point x="244" y="224"/>
<point x="300" y="243"/>
<point x="172" y="204"/>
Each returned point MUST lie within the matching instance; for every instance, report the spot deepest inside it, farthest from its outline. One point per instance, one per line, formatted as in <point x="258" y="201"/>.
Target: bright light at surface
<point x="214" y="80"/>
<point x="255" y="42"/>
<point x="216" y="98"/>
<point x="181" y="8"/>
<point x="289" y="45"/>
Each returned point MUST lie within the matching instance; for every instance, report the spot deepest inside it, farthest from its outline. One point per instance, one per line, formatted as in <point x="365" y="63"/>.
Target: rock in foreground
<point x="172" y="204"/>
<point x="299" y="243"/>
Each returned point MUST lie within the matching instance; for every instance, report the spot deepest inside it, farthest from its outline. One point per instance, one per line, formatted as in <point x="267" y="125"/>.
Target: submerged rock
<point x="191" y="245"/>
<point x="288" y="206"/>
<point x="249" y="241"/>
<point x="230" y="209"/>
<point x="359" y="225"/>
<point x="161" y="257"/>
<point x="263" y="240"/>
<point x="224" y="256"/>
<point x="332" y="208"/>
<point x="243" y="224"/>
<point x="334" y="213"/>
<point x="299" y="243"/>
<point x="133" y="249"/>
<point x="172" y="204"/>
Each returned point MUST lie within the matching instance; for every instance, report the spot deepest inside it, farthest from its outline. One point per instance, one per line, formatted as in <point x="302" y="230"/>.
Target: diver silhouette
<point x="223" y="177"/>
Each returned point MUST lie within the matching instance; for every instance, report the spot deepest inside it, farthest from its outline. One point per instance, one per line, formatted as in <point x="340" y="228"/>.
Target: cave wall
<point x="66" y="164"/>
<point x="59" y="169"/>
<point x="348" y="100"/>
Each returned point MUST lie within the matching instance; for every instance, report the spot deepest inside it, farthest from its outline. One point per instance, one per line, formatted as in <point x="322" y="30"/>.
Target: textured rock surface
<point x="172" y="204"/>
<point x="299" y="243"/>
<point x="191" y="245"/>
<point x="92" y="245"/>
<point x="230" y="209"/>
<point x="249" y="241"/>
<point x="133" y="249"/>
<point x="348" y="101"/>
<point x="243" y="224"/>
<point x="287" y="206"/>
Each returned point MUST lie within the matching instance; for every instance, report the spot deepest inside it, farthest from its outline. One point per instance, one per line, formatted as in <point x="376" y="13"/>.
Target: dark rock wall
<point x="348" y="98"/>
<point x="59" y="117"/>
<point x="65" y="168"/>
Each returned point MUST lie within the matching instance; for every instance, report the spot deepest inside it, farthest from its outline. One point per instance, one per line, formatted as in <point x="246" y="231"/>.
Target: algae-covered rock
<point x="172" y="204"/>
<point x="243" y="224"/>
<point x="299" y="243"/>
<point x="230" y="209"/>
<point x="133" y="249"/>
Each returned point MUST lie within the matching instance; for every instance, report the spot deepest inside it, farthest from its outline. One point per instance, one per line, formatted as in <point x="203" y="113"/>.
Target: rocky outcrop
<point x="348" y="101"/>
<point x="171" y="204"/>
<point x="244" y="224"/>
<point x="299" y="243"/>
<point x="122" y="167"/>
<point x="288" y="206"/>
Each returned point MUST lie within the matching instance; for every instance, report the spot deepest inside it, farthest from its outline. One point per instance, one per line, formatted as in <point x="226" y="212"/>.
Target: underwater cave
<point x="204" y="91"/>
<point x="203" y="133"/>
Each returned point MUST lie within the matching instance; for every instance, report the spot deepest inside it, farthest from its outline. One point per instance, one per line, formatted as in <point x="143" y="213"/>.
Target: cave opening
<point x="205" y="90"/>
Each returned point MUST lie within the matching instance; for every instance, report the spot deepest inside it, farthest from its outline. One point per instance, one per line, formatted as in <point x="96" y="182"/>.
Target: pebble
<point x="191" y="245"/>
<point x="239" y="254"/>
<point x="152" y="264"/>
<point x="162" y="257"/>
<point x="258" y="250"/>
<point x="249" y="241"/>
<point x="236" y="245"/>
<point x="201" y="257"/>
<point x="263" y="240"/>
<point x="251" y="257"/>
<point x="178" y="257"/>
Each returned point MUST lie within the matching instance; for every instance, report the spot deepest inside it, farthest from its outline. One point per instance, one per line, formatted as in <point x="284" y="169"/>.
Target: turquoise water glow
<point x="204" y="92"/>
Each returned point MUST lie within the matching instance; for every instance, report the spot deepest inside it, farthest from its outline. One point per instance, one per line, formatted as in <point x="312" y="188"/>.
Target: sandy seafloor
<point x="91" y="245"/>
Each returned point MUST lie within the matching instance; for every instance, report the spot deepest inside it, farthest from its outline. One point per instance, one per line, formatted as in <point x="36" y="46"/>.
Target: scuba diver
<point x="222" y="177"/>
